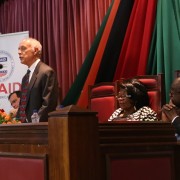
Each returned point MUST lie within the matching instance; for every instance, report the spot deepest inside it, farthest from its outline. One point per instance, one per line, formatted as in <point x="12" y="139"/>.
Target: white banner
<point x="11" y="69"/>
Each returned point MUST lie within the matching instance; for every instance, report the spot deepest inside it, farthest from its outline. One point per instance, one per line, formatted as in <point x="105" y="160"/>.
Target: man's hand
<point x="170" y="111"/>
<point x="13" y="112"/>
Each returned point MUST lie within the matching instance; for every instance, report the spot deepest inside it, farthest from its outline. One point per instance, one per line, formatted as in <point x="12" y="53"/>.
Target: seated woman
<point x="133" y="102"/>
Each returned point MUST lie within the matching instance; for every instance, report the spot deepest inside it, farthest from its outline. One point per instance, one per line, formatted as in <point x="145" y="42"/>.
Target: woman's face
<point x="124" y="100"/>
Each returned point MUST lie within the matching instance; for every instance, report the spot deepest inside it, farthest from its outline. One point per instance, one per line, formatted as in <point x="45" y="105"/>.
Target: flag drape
<point x="135" y="50"/>
<point x="164" y="56"/>
<point x="83" y="99"/>
<point x="141" y="39"/>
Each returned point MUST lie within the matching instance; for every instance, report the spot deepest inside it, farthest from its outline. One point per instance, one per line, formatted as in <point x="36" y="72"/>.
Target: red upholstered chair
<point x="155" y="85"/>
<point x="102" y="99"/>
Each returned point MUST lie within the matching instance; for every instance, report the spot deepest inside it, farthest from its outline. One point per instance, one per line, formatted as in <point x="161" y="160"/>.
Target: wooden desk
<point x="138" y="150"/>
<point x="69" y="142"/>
<point x="23" y="151"/>
<point x="75" y="147"/>
<point x="24" y="138"/>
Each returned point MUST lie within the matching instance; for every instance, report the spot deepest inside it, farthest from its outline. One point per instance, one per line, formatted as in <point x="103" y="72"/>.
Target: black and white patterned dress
<point x="143" y="114"/>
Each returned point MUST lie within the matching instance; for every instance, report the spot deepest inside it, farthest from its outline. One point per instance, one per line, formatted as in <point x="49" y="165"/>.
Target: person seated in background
<point x="133" y="102"/>
<point x="171" y="111"/>
<point x="14" y="99"/>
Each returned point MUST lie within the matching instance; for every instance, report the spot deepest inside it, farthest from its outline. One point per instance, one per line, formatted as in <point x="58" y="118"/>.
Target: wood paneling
<point x="77" y="147"/>
<point x="140" y="145"/>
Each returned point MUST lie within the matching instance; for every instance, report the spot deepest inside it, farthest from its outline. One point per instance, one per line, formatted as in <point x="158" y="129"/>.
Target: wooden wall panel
<point x="77" y="147"/>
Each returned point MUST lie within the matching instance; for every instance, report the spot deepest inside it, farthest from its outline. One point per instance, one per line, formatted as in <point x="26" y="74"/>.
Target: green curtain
<point x="164" y="54"/>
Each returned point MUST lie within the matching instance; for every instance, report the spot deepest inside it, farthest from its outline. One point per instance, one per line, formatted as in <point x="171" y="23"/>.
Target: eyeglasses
<point x="123" y="96"/>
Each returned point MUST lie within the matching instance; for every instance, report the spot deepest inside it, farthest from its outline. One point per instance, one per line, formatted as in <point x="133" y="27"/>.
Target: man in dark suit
<point x="172" y="110"/>
<point x="40" y="91"/>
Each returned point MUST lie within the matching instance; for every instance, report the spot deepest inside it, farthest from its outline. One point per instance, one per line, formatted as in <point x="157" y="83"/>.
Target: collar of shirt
<point x="32" y="68"/>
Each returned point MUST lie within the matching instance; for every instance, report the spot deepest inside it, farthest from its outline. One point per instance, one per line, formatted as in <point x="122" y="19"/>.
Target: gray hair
<point x="34" y="44"/>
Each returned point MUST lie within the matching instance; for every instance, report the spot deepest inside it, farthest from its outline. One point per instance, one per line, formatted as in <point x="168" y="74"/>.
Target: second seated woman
<point x="133" y="102"/>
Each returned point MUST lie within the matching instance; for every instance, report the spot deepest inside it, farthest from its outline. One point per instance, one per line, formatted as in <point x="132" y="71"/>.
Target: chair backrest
<point x="155" y="85"/>
<point x="102" y="99"/>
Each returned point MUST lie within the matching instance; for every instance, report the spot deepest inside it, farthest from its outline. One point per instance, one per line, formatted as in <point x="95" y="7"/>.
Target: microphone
<point x="1" y="66"/>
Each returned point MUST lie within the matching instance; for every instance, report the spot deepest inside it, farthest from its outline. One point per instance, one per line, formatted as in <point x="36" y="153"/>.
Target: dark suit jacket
<point x="176" y="124"/>
<point x="42" y="92"/>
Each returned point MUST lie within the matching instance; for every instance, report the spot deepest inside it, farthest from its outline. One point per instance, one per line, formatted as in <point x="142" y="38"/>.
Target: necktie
<point x="23" y="101"/>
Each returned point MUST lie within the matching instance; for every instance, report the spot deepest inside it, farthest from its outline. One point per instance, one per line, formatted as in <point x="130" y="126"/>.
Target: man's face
<point x="14" y="100"/>
<point x="175" y="98"/>
<point x="26" y="53"/>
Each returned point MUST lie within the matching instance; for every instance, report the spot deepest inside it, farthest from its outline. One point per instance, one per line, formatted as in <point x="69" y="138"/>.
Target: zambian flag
<point x="137" y="37"/>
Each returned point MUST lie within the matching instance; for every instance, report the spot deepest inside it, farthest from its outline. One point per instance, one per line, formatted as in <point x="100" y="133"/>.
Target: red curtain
<point x="135" y="50"/>
<point x="66" y="29"/>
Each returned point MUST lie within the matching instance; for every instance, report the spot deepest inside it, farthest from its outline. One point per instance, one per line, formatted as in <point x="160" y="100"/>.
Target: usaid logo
<point x="6" y="65"/>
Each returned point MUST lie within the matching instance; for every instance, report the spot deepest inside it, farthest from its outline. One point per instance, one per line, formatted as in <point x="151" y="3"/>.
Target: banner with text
<point x="11" y="69"/>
